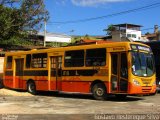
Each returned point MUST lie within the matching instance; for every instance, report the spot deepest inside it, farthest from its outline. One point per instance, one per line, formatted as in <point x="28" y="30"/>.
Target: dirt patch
<point x="48" y="103"/>
<point x="8" y="92"/>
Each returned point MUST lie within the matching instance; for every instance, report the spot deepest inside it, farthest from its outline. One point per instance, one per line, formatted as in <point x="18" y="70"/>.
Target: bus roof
<point x="90" y="46"/>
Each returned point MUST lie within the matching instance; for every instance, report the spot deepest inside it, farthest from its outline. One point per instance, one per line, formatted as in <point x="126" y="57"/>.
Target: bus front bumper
<point x="134" y="89"/>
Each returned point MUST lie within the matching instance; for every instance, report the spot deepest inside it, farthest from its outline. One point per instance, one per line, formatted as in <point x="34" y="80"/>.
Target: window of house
<point x="9" y="62"/>
<point x="39" y="60"/>
<point x="128" y="35"/>
<point x="28" y="61"/>
<point x="96" y="57"/>
<point x="74" y="58"/>
<point x="134" y="36"/>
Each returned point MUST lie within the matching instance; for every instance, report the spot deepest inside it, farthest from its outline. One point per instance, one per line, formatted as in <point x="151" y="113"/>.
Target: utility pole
<point x="44" y="42"/>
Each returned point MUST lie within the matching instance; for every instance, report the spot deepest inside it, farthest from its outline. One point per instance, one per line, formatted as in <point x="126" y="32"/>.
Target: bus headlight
<point x="136" y="82"/>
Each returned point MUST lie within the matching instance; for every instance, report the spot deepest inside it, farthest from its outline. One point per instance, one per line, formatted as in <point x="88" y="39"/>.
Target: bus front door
<point x="56" y="72"/>
<point x="18" y="80"/>
<point x="119" y="73"/>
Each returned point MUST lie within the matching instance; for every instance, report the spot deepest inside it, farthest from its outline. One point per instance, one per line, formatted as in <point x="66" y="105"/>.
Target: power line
<point x="151" y="6"/>
<point x="148" y="29"/>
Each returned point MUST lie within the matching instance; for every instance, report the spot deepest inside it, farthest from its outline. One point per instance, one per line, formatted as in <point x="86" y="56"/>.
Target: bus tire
<point x="31" y="88"/>
<point x="99" y="91"/>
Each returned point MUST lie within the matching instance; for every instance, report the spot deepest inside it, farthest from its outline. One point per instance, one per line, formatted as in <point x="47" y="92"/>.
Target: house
<point x="49" y="38"/>
<point x="127" y="32"/>
<point x="154" y="36"/>
<point x="56" y="37"/>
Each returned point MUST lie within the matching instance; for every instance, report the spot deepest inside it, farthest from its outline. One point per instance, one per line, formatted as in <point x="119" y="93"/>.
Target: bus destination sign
<point x="140" y="47"/>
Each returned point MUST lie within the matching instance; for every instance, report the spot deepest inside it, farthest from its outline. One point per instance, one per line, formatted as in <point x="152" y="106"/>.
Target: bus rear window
<point x="9" y="62"/>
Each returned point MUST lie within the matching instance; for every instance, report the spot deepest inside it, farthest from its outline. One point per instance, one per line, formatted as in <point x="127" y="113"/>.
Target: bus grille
<point x="146" y="89"/>
<point x="146" y="81"/>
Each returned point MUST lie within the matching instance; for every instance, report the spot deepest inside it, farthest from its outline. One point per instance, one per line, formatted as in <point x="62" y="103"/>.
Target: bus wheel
<point x="31" y="88"/>
<point x="121" y="96"/>
<point x="99" y="91"/>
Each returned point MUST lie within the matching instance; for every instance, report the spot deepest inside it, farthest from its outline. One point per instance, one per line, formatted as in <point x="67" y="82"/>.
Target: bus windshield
<point x="142" y="64"/>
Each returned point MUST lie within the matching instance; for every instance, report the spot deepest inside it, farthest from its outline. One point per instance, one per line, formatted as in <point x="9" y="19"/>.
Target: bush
<point x="16" y="41"/>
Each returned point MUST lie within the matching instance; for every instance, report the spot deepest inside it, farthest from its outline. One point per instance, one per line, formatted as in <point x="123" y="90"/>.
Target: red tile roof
<point x="95" y="41"/>
<point x="151" y="35"/>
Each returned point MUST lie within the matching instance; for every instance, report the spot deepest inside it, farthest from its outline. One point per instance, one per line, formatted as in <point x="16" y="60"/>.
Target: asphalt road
<point x="48" y="105"/>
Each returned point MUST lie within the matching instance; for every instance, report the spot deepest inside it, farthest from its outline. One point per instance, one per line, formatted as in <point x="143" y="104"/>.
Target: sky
<point x="61" y="11"/>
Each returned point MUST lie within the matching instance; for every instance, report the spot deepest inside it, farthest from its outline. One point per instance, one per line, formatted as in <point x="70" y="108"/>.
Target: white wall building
<point x="127" y="32"/>
<point x="54" y="37"/>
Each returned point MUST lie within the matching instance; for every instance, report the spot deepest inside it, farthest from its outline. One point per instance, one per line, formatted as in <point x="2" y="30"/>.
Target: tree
<point x="21" y="16"/>
<point x="109" y="29"/>
<point x="8" y="2"/>
<point x="147" y="33"/>
<point x="86" y="36"/>
<point x="10" y="22"/>
<point x="34" y="14"/>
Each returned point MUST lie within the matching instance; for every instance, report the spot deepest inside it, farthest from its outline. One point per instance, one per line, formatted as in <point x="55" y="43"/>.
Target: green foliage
<point x="109" y="29"/>
<point x="16" y="41"/>
<point x="147" y="33"/>
<point x="33" y="13"/>
<point x="55" y="44"/>
<point x="10" y="22"/>
<point x="74" y="39"/>
<point x="19" y="18"/>
<point x="86" y="36"/>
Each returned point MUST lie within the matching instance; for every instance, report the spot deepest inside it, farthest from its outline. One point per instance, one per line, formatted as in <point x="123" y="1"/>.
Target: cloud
<point x="61" y="2"/>
<point x="85" y="3"/>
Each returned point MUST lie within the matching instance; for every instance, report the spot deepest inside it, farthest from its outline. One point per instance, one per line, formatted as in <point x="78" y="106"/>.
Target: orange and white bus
<point x="120" y="68"/>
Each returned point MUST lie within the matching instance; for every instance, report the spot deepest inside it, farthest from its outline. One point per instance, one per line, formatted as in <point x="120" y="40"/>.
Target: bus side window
<point x="96" y="57"/>
<point x="74" y="58"/>
<point x="28" y="61"/>
<point x="39" y="60"/>
<point x="9" y="62"/>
